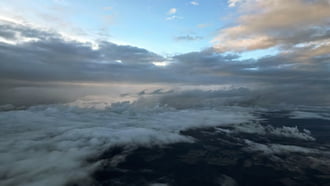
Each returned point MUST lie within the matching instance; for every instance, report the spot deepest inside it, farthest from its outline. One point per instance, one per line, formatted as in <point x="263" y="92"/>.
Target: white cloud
<point x="270" y="149"/>
<point x="49" y="145"/>
<point x="195" y="3"/>
<point x="172" y="11"/>
<point x="232" y="3"/>
<point x="173" y="17"/>
<point x="284" y="131"/>
<point x="309" y="115"/>
<point x="160" y="63"/>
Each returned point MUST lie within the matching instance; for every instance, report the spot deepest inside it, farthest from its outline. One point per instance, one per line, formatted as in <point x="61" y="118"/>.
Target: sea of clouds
<point x="51" y="144"/>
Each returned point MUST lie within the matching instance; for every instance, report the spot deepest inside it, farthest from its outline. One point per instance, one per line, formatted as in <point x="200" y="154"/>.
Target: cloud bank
<point x="284" y="131"/>
<point x="277" y="23"/>
<point x="50" y="145"/>
<point x="44" y="63"/>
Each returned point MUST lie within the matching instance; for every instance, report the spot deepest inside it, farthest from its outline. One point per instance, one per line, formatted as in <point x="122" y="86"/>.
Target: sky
<point x="166" y="27"/>
<point x="79" y="77"/>
<point x="61" y="49"/>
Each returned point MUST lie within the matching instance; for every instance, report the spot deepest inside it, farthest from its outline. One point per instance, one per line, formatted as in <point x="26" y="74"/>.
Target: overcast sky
<point x="277" y="49"/>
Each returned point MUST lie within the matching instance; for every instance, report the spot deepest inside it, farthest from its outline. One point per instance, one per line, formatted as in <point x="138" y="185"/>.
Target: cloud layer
<point x="50" y="145"/>
<point x="277" y="23"/>
<point x="43" y="63"/>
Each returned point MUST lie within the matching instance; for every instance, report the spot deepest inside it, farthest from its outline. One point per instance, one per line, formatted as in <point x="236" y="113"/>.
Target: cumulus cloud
<point x="51" y="144"/>
<point x="270" y="23"/>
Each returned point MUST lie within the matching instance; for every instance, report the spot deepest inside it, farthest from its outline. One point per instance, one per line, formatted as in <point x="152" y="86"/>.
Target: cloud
<point x="270" y="149"/>
<point x="108" y="20"/>
<point x="51" y="54"/>
<point x="310" y="115"/>
<point x="62" y="2"/>
<point x="57" y="60"/>
<point x="203" y="25"/>
<point x="172" y="11"/>
<point x="13" y="33"/>
<point x="270" y="23"/>
<point x="107" y="8"/>
<point x="194" y="3"/>
<point x="173" y="17"/>
<point x="274" y="78"/>
<point x="46" y="64"/>
<point x="258" y="42"/>
<point x="188" y="38"/>
<point x="267" y="130"/>
<point x="232" y="3"/>
<point x="51" y="144"/>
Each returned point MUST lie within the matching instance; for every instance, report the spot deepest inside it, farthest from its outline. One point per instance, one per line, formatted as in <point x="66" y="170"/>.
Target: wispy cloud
<point x="203" y="25"/>
<point x="107" y="8"/>
<point x="268" y="23"/>
<point x="173" y="17"/>
<point x="194" y="3"/>
<point x="232" y="3"/>
<point x="172" y="11"/>
<point x="62" y="2"/>
<point x="188" y="38"/>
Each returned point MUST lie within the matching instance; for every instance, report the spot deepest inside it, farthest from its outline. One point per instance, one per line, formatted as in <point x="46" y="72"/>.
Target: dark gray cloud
<point x="55" y="59"/>
<point x="12" y="31"/>
<point x="49" y="61"/>
<point x="272" y="79"/>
